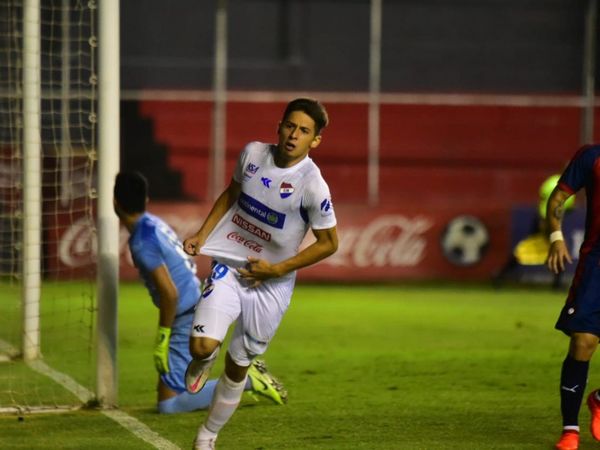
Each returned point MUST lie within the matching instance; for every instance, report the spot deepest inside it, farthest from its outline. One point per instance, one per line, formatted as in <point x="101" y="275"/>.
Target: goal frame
<point x="107" y="223"/>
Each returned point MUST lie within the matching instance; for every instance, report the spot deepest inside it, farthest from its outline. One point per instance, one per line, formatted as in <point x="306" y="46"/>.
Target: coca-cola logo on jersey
<point x="389" y="240"/>
<point x="252" y="245"/>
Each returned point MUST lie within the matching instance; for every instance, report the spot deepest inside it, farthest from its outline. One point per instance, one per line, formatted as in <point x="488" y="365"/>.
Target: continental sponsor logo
<point x="251" y="228"/>
<point x="261" y="211"/>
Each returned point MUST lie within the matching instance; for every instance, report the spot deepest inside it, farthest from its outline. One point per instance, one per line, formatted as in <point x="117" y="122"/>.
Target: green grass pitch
<point x="367" y="367"/>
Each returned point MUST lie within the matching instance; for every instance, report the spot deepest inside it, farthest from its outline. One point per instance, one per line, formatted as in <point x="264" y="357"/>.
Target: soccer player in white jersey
<point x="253" y="232"/>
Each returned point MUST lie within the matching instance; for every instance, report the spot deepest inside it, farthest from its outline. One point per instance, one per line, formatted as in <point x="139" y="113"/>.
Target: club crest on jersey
<point x="251" y="170"/>
<point x="285" y="190"/>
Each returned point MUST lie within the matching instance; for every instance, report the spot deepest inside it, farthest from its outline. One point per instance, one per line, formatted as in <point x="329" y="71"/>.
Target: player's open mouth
<point x="290" y="146"/>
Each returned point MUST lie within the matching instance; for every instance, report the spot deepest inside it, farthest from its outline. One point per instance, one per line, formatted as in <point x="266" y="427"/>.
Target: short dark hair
<point x="315" y="110"/>
<point x="131" y="191"/>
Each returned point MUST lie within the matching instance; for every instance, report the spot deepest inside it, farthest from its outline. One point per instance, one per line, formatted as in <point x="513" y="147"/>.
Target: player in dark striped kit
<point x="580" y="316"/>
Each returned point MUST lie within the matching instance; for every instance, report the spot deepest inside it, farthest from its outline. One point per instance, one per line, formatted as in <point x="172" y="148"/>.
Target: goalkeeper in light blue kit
<point x="170" y="277"/>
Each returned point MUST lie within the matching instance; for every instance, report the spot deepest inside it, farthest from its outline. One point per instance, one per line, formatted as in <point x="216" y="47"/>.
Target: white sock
<point x="204" y="434"/>
<point x="224" y="403"/>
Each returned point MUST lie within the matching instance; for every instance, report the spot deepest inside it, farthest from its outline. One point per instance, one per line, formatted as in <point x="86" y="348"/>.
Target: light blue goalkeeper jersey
<point x="153" y="243"/>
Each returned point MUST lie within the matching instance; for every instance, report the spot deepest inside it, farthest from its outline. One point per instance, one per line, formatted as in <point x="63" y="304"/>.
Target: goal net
<point x="47" y="200"/>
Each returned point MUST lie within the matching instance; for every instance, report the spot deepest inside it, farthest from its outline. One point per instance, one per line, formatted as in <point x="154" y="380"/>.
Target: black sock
<point x="573" y="378"/>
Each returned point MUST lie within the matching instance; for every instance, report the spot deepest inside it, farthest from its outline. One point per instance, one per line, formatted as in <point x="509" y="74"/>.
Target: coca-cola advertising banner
<point x="375" y="243"/>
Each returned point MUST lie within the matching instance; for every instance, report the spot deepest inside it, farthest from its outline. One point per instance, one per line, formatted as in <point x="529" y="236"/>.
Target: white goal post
<point x="59" y="154"/>
<point x="32" y="180"/>
<point x="108" y="224"/>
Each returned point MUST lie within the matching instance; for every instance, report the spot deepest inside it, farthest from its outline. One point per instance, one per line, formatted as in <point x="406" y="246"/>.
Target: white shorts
<point x="258" y="311"/>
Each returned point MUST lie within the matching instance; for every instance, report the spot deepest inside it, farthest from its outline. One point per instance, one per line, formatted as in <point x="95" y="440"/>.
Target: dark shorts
<point x="581" y="312"/>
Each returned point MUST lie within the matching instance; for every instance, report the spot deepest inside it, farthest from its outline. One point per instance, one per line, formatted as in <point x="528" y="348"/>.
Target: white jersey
<point x="275" y="209"/>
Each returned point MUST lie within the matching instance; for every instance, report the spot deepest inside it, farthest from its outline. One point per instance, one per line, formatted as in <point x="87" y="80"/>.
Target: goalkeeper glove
<point x="161" y="350"/>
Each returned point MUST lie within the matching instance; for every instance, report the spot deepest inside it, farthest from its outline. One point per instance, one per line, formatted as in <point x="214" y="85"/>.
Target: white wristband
<point x="556" y="236"/>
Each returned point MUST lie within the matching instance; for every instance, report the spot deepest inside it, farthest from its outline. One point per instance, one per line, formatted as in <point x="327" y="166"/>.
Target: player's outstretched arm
<point x="193" y="243"/>
<point x="558" y="254"/>
<point x="325" y="245"/>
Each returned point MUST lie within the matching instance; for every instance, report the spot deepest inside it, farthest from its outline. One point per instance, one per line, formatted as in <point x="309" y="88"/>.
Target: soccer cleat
<point x="594" y="406"/>
<point x="265" y="384"/>
<point x="569" y="440"/>
<point x="196" y="375"/>
<point x="204" y="444"/>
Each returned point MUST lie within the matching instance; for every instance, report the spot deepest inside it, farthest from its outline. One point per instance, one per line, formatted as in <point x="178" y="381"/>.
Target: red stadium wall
<point x="434" y="154"/>
<point x="438" y="162"/>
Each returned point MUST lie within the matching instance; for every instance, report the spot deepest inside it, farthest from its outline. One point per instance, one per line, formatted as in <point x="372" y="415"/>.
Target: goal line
<point x="128" y="422"/>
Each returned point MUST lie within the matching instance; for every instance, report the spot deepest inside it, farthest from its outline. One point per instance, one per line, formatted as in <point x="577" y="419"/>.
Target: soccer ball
<point x="464" y="240"/>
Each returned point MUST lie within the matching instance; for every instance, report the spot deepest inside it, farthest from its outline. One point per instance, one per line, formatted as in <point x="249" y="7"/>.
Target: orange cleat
<point x="569" y="440"/>
<point x="594" y="406"/>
